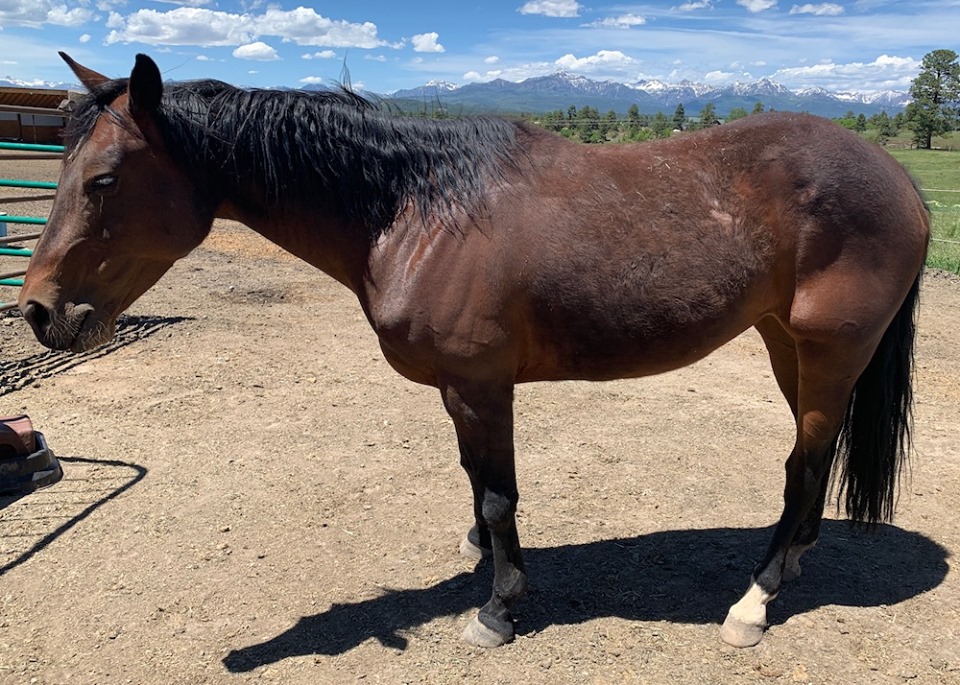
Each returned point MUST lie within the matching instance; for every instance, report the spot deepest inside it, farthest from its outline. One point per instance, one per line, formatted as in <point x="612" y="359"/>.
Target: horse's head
<point x="123" y="214"/>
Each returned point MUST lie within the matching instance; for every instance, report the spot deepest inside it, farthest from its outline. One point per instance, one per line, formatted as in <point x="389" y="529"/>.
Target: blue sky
<point x="861" y="45"/>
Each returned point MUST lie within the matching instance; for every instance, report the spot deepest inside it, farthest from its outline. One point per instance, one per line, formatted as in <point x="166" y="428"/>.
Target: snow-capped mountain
<point x="10" y="82"/>
<point x="562" y="89"/>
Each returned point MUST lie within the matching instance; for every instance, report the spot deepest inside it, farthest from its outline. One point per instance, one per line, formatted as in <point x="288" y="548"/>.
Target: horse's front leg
<point x="483" y="417"/>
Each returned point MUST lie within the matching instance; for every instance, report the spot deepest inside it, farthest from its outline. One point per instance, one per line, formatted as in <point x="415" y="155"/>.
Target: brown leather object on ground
<point x="26" y="462"/>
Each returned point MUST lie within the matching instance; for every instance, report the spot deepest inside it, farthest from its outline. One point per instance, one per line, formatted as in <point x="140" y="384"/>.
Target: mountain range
<point x="560" y="90"/>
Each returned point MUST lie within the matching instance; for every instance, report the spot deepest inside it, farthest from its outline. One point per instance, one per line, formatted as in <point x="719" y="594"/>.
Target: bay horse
<point x="487" y="252"/>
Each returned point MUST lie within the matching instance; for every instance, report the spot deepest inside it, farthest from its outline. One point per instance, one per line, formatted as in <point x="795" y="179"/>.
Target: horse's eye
<point x="101" y="183"/>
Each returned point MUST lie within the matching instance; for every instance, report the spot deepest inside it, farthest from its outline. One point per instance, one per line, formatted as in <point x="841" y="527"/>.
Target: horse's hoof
<point x="737" y="633"/>
<point x="472" y="551"/>
<point x="480" y="635"/>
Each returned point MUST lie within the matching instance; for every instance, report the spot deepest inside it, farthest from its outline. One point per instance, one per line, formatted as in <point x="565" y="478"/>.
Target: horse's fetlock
<point x="498" y="509"/>
<point x="513" y="588"/>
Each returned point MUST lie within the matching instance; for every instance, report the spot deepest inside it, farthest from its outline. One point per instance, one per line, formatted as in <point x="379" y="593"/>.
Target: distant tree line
<point x="935" y="111"/>
<point x="588" y="125"/>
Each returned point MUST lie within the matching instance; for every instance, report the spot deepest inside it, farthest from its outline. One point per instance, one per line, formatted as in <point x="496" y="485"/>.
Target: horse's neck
<point x="327" y="244"/>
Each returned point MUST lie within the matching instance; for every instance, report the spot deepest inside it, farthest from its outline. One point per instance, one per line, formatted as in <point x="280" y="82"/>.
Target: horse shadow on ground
<point x="680" y="576"/>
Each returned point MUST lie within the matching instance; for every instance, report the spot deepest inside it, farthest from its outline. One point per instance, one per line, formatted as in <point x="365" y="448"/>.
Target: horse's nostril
<point x="36" y="315"/>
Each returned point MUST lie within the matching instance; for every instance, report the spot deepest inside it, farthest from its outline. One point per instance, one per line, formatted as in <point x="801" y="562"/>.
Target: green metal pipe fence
<point x="15" y="183"/>
<point x="10" y="245"/>
<point x="30" y="147"/>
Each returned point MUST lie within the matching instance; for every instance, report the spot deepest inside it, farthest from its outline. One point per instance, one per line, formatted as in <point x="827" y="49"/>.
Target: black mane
<point x="330" y="150"/>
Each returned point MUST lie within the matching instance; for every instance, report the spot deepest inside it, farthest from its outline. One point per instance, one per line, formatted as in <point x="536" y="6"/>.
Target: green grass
<point x="938" y="173"/>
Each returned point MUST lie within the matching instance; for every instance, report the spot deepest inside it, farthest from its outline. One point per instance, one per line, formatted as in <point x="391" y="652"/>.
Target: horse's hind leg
<point x="783" y="358"/>
<point x="826" y="374"/>
<point x="483" y="417"/>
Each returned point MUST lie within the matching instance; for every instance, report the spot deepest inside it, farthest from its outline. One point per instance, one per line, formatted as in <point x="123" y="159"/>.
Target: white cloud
<point x="85" y="38"/>
<point x="313" y="80"/>
<point x="185" y="3"/>
<point x="516" y="73"/>
<point x="718" y="76"/>
<point x="36" y="13"/>
<point x="552" y="8"/>
<point x="375" y="58"/>
<point x="624" y="21"/>
<point x="603" y="59"/>
<point x="757" y="5"/>
<point x="427" y="42"/>
<point x="182" y="26"/>
<point x="827" y="9"/>
<point x="305" y="27"/>
<point x="61" y="16"/>
<point x="885" y="72"/>
<point x="695" y="5"/>
<point x="203" y="58"/>
<point x="323" y="54"/>
<point x="898" y="63"/>
<point x="492" y="59"/>
<point x="259" y="51"/>
<point x="195" y="26"/>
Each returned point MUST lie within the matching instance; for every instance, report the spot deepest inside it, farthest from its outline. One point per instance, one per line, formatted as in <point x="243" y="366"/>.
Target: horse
<point x="487" y="252"/>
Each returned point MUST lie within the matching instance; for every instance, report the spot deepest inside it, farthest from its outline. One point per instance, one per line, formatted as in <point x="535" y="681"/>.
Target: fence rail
<point x="10" y="245"/>
<point x="17" y="183"/>
<point x="30" y="147"/>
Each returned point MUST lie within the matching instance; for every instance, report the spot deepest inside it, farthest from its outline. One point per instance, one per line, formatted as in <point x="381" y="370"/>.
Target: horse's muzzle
<point x="72" y="329"/>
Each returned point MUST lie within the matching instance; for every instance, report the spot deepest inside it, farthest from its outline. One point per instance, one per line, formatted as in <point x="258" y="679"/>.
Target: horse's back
<point x="641" y="258"/>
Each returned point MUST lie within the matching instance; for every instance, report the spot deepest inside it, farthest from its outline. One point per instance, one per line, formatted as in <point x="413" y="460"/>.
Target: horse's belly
<point x="610" y="338"/>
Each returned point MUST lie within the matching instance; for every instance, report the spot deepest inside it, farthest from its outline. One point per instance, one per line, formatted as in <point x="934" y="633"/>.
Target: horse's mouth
<point x="77" y="328"/>
<point x="92" y="330"/>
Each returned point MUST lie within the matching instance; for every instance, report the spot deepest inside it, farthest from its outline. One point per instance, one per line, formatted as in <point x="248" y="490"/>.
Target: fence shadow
<point x="681" y="576"/>
<point x="136" y="474"/>
<point x="16" y="374"/>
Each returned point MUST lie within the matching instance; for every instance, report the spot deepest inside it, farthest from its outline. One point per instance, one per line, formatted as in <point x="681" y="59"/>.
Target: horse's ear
<point x="146" y="86"/>
<point x="88" y="77"/>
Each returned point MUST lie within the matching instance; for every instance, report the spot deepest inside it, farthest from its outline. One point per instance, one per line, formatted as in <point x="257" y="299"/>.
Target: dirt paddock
<point x="252" y="495"/>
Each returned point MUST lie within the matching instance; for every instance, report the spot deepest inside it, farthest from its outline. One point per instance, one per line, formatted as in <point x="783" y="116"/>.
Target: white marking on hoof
<point x="736" y="633"/>
<point x="747" y="619"/>
<point x="479" y="635"/>
<point x="791" y="567"/>
<point x="472" y="551"/>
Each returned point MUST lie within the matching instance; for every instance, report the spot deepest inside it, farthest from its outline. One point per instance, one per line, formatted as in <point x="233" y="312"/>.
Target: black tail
<point x="875" y="439"/>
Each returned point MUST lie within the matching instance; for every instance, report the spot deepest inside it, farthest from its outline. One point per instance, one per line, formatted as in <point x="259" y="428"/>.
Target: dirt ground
<point x="252" y="495"/>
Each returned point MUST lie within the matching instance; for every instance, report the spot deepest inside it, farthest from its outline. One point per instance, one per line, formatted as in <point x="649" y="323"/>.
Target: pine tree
<point x="679" y="118"/>
<point x="936" y="96"/>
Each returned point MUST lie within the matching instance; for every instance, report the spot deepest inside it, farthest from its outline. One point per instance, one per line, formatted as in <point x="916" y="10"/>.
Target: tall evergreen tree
<point x="736" y="113"/>
<point x="679" y="118"/>
<point x="936" y="96"/>
<point x="708" y="115"/>
<point x="633" y="120"/>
